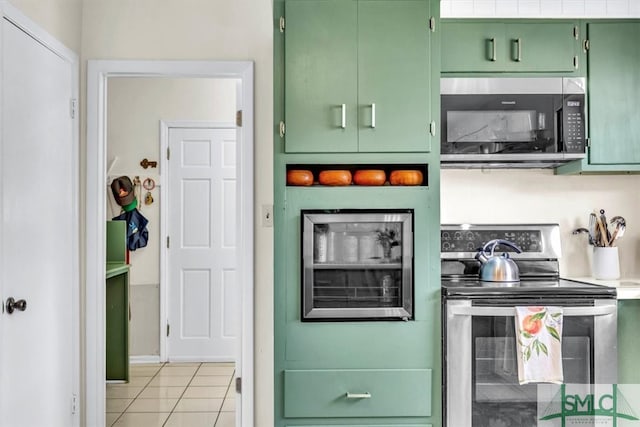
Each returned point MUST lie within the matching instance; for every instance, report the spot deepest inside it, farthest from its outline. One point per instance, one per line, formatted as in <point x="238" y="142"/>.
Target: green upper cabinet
<point x="614" y="93"/>
<point x="613" y="90"/>
<point x="487" y="46"/>
<point x="358" y="76"/>
<point x="321" y="92"/>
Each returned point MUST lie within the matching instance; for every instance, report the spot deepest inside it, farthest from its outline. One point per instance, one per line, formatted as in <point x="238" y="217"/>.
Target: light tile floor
<point x="174" y="395"/>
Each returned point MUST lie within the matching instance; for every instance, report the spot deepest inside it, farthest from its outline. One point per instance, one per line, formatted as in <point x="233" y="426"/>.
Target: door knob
<point x="12" y="305"/>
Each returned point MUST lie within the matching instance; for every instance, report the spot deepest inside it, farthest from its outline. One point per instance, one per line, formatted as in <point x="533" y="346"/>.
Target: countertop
<point x="115" y="268"/>
<point x="627" y="288"/>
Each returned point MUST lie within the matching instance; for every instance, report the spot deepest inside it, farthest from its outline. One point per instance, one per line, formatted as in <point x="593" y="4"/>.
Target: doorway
<point x="99" y="73"/>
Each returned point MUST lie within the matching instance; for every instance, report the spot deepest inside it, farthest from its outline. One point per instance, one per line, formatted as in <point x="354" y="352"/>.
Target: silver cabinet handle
<point x="493" y="50"/>
<point x="373" y="115"/>
<point x="519" y="55"/>
<point x="358" y="395"/>
<point x="432" y="128"/>
<point x="343" y="123"/>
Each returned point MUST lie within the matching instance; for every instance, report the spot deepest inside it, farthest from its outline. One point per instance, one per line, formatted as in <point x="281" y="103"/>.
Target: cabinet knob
<point x="13" y="305"/>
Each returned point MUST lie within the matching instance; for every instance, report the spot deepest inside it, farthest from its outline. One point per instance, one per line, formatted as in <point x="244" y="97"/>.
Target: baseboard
<point x="187" y="359"/>
<point x="144" y="359"/>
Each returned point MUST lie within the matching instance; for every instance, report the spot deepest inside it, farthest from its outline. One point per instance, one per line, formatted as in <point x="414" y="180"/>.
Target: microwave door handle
<point x="604" y="310"/>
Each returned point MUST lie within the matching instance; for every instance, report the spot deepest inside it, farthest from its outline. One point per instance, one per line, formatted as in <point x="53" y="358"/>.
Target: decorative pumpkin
<point x="406" y="177"/>
<point x="369" y="177"/>
<point x="335" y="177"/>
<point x="299" y="177"/>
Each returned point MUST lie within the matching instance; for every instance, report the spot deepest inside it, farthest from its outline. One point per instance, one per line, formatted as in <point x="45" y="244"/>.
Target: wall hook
<point x="145" y="163"/>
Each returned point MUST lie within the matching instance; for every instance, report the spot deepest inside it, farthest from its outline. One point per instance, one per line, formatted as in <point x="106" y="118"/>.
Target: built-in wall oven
<point x="512" y="121"/>
<point x="480" y="365"/>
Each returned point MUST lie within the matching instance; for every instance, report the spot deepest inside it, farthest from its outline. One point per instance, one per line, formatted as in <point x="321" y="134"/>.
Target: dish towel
<point x="539" y="343"/>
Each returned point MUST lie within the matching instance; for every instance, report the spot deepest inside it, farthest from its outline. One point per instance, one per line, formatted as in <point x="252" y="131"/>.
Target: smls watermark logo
<point x="583" y="405"/>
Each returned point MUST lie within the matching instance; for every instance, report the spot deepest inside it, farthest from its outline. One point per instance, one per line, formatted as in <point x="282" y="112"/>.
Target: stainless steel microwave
<point x="518" y="122"/>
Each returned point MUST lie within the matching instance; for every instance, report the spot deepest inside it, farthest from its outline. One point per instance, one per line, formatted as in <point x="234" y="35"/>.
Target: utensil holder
<point x="605" y="264"/>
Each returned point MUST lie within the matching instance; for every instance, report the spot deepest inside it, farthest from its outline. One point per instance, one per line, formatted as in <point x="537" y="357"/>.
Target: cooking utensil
<point x="602" y="238"/>
<point x="498" y="268"/>
<point x="593" y="235"/>
<point x="620" y="224"/>
<point x="583" y="230"/>
<point x="603" y="220"/>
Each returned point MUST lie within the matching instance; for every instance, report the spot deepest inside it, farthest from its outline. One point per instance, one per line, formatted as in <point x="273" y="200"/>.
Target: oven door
<point x="481" y="372"/>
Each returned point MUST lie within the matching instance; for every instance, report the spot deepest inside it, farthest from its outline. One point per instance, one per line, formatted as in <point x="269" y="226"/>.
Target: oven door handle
<point x="603" y="310"/>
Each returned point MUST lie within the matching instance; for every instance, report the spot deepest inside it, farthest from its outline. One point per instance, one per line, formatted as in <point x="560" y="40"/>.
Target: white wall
<point x="539" y="196"/>
<point x="208" y="29"/>
<point x="135" y="108"/>
<point x="540" y="8"/>
<point x="60" y="18"/>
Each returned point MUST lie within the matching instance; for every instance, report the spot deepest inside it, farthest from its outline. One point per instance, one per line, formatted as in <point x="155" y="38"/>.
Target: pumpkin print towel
<point x="539" y="342"/>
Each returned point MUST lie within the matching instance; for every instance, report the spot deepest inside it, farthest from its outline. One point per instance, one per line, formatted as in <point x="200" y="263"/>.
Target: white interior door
<point x="203" y="293"/>
<point x="38" y="234"/>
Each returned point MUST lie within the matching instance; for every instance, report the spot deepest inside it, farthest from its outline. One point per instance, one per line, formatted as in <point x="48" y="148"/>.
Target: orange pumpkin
<point x="299" y="177"/>
<point x="335" y="177"/>
<point x="406" y="177"/>
<point x="369" y="177"/>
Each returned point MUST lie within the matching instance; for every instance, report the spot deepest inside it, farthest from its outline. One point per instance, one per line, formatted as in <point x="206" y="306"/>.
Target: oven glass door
<point x="497" y="397"/>
<point x="482" y="367"/>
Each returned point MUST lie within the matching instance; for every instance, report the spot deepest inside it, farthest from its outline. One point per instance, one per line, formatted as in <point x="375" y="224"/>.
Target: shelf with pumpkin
<point x="358" y="175"/>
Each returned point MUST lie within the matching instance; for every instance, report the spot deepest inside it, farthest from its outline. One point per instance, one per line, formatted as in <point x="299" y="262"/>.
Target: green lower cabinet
<point x="117" y="324"/>
<point x="628" y="341"/>
<point x="360" y="425"/>
<point x="357" y="393"/>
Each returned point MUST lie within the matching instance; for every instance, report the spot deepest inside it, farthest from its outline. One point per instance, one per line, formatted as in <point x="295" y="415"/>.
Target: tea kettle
<point x="498" y="268"/>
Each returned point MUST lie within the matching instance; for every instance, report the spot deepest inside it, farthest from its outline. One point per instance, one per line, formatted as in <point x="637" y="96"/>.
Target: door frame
<point x="24" y="23"/>
<point x="98" y="72"/>
<point x="165" y="201"/>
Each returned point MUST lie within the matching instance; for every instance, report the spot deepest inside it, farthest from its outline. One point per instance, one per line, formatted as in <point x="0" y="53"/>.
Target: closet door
<point x="38" y="234"/>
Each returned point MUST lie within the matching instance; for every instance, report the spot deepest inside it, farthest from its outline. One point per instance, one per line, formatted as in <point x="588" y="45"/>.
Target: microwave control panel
<point x="573" y="132"/>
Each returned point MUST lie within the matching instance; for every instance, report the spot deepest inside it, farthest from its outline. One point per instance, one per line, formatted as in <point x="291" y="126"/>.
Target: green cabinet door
<point x="117" y="326"/>
<point x="628" y="342"/>
<point x="394" y="79"/>
<point x="473" y="47"/>
<point x="614" y="93"/>
<point x="320" y="76"/>
<point x="542" y="47"/>
<point x="487" y="46"/>
<point x="357" y="76"/>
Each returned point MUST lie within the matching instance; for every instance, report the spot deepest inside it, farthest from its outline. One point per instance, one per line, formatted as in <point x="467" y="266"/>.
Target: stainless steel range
<point x="479" y="351"/>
